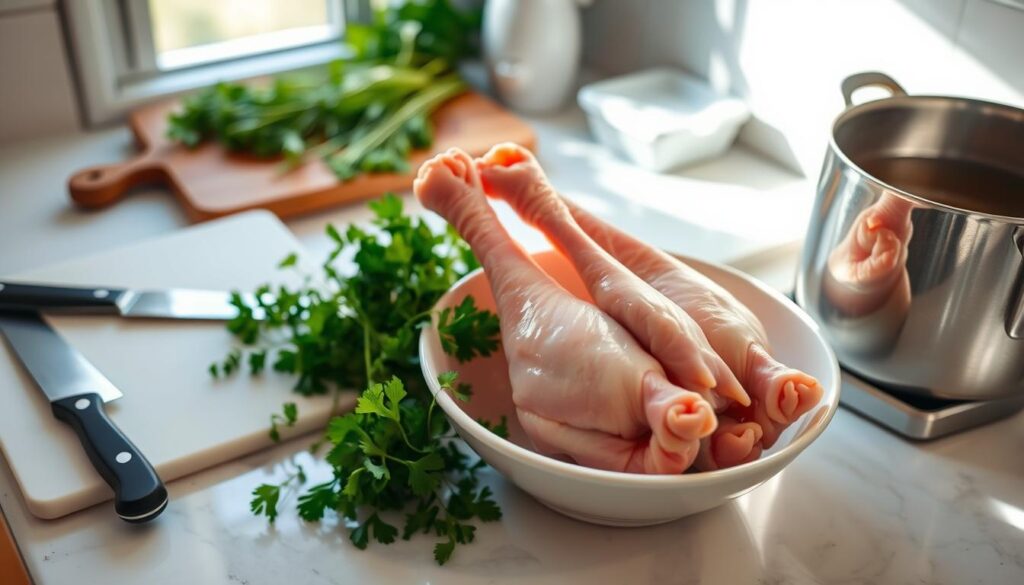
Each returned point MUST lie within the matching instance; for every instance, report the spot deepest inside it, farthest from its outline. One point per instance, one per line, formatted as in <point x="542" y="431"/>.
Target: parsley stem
<point x="430" y="415"/>
<point x="406" y="439"/>
<point x="417" y="316"/>
<point x="440" y="495"/>
<point x="424" y="101"/>
<point x="404" y="462"/>
<point x="366" y="350"/>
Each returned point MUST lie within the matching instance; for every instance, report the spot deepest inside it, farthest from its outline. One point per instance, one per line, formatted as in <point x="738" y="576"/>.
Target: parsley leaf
<point x="379" y="471"/>
<point x="363" y="114"/>
<point x="264" y="501"/>
<point x="257" y="362"/>
<point x="388" y="207"/>
<point x="467" y="332"/>
<point x="351" y="489"/>
<point x="500" y="429"/>
<point x="443" y="551"/>
<point x="422" y="520"/>
<point x="460" y="391"/>
<point x="383" y="532"/>
<point x="315" y="502"/>
<point x="371" y="401"/>
<point x="289" y="415"/>
<point x="360" y="536"/>
<point x="339" y="428"/>
<point x="422" y="477"/>
<point x="289" y="260"/>
<point x="447" y="379"/>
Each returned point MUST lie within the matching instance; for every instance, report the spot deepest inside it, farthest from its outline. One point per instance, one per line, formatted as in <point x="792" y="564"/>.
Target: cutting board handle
<point x="102" y="185"/>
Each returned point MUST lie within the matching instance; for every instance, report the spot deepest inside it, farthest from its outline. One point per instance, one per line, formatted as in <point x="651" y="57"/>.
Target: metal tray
<point x="921" y="418"/>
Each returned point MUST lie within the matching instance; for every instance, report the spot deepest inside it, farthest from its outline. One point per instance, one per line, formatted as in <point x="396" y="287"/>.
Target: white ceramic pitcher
<point x="532" y="51"/>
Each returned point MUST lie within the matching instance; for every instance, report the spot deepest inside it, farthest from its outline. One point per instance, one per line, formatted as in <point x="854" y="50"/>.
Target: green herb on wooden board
<point x="358" y="329"/>
<point x="361" y="115"/>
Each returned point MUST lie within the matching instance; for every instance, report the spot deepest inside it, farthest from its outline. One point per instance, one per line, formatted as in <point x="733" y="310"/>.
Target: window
<point x="130" y="51"/>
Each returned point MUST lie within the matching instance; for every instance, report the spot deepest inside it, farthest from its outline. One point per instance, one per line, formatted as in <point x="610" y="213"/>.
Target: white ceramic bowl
<point x="621" y="499"/>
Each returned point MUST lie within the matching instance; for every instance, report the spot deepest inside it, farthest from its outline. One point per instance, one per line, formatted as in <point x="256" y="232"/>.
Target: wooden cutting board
<point x="178" y="416"/>
<point x="211" y="182"/>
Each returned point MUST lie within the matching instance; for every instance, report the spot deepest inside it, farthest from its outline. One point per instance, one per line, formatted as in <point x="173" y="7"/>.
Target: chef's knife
<point x="76" y="391"/>
<point x="156" y="304"/>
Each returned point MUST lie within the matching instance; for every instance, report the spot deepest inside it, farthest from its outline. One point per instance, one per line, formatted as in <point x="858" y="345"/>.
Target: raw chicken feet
<point x="670" y="335"/>
<point x="582" y="386"/>
<point x="733" y="443"/>
<point x="779" y="394"/>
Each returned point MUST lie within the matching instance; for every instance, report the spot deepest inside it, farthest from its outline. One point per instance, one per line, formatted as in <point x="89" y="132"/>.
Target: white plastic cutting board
<point x="177" y="415"/>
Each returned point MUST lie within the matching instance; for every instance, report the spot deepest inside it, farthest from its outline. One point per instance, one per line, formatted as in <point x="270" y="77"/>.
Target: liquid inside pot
<point x="959" y="183"/>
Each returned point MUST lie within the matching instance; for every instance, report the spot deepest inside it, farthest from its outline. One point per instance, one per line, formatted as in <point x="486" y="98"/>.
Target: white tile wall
<point x="991" y="38"/>
<point x="788" y="57"/>
<point x="615" y="33"/>
<point x="15" y="5"/>
<point x="36" y="92"/>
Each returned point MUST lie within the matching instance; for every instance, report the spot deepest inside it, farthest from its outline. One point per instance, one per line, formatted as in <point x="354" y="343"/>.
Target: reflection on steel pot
<point x="914" y="261"/>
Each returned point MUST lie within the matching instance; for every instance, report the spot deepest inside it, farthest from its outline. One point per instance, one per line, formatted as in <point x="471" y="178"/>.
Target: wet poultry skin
<point x="582" y="386"/>
<point x="665" y="330"/>
<point x="779" y="394"/>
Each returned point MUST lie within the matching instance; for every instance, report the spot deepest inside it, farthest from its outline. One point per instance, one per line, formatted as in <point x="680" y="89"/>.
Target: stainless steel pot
<point x="914" y="259"/>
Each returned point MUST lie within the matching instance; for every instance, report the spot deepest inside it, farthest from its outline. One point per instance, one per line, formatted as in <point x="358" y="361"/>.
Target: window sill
<point x="138" y="92"/>
<point x="105" y="98"/>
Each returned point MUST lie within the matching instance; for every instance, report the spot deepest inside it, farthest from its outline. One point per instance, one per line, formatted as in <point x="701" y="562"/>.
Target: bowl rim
<point x="465" y="422"/>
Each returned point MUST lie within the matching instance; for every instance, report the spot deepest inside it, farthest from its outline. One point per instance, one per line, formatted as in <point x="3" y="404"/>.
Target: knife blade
<point x="151" y="304"/>
<point x="77" y="391"/>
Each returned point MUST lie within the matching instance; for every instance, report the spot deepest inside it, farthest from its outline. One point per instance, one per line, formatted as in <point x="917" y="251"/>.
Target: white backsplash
<point x="788" y="57"/>
<point x="36" y="88"/>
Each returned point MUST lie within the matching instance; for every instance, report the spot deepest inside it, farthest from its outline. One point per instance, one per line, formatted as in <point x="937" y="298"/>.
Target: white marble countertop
<point x="859" y="506"/>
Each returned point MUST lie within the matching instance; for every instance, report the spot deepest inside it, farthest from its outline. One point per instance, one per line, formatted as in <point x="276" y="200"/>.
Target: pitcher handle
<point x="1015" y="311"/>
<point x="869" y="79"/>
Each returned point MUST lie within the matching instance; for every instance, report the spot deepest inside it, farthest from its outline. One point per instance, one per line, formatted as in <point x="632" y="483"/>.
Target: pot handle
<point x="869" y="79"/>
<point x="1015" y="312"/>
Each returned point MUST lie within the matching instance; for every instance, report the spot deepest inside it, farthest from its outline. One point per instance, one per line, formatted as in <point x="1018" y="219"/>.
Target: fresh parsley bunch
<point x="358" y="328"/>
<point x="364" y="114"/>
<point x="359" y="119"/>
<point x="442" y="30"/>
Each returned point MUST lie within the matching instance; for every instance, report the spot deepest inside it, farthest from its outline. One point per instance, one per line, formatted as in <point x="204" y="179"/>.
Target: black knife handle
<point x="139" y="495"/>
<point x="38" y="297"/>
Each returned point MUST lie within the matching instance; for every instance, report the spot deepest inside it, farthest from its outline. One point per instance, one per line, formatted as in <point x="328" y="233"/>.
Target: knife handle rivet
<point x="82" y="403"/>
<point x="101" y="293"/>
<point x="1" y="286"/>
<point x="123" y="457"/>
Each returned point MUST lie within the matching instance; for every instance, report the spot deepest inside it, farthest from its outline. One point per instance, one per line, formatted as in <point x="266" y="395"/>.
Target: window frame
<point x="117" y="69"/>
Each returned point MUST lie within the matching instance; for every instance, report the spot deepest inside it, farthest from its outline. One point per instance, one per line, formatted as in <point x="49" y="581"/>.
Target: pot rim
<point x="880" y="103"/>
